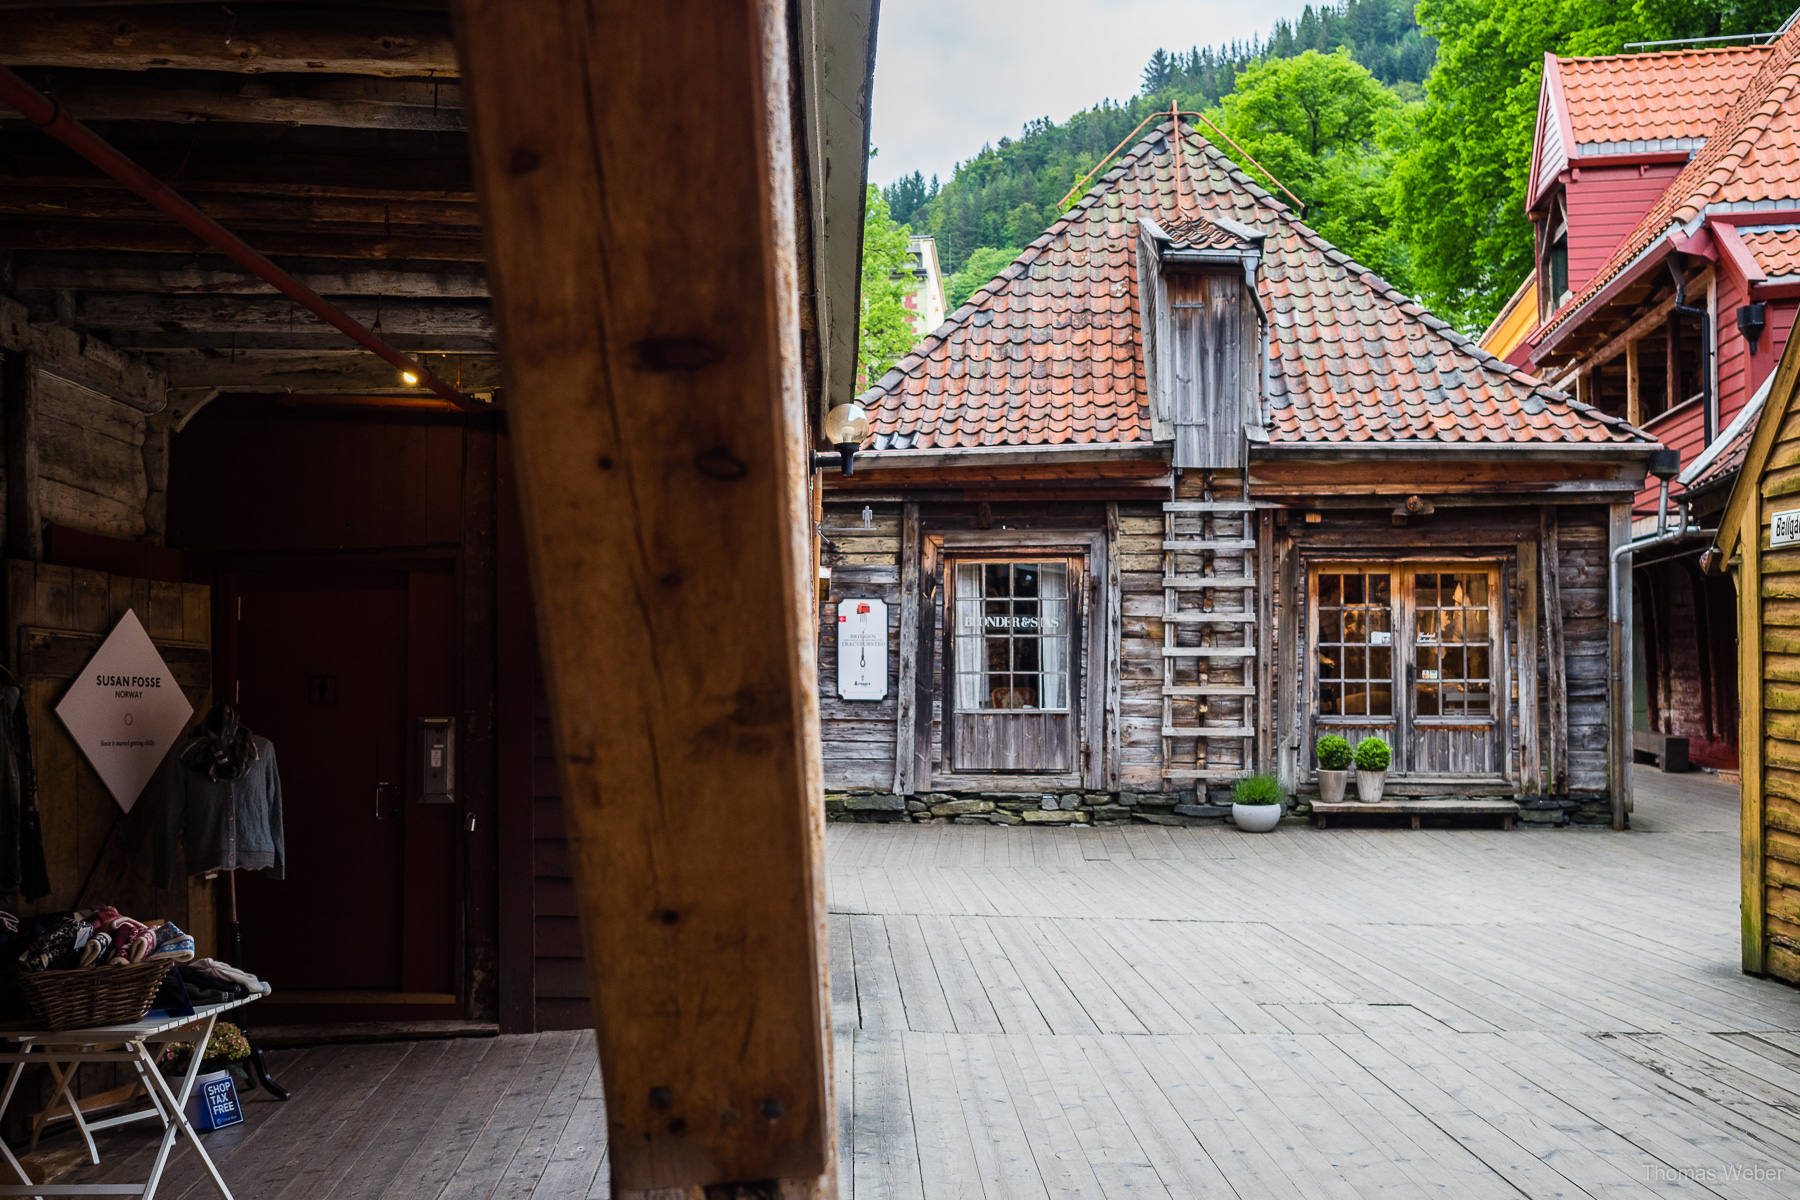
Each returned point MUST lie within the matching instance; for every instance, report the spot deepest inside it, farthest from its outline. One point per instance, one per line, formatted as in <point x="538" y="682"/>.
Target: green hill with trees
<point x="1405" y="129"/>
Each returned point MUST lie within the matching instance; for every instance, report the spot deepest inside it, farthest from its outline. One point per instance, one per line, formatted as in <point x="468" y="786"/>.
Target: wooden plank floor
<point x="1183" y="1012"/>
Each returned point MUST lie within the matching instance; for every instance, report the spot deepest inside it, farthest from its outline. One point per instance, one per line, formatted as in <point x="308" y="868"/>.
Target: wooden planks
<point x="1555" y="650"/>
<point x="659" y="419"/>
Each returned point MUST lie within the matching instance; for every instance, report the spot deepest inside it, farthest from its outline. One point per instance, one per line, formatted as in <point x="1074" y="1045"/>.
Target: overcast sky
<point x="952" y="74"/>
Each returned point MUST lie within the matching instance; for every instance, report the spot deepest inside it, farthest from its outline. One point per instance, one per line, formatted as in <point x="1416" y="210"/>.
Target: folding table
<point x="63" y="1050"/>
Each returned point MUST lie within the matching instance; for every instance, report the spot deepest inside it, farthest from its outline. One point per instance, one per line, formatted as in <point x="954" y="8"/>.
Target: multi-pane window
<point x="1011" y="644"/>
<point x="1452" y="647"/>
<point x="1356" y="643"/>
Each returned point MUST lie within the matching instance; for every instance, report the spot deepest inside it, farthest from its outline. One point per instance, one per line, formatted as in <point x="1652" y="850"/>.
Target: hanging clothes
<point x="23" y="868"/>
<point x="223" y="803"/>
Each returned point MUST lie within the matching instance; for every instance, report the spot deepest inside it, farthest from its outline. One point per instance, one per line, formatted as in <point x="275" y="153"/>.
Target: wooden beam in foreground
<point x="636" y="179"/>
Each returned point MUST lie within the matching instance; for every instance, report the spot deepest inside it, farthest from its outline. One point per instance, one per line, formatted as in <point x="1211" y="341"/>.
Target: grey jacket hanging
<point x="223" y="825"/>
<point x="22" y="865"/>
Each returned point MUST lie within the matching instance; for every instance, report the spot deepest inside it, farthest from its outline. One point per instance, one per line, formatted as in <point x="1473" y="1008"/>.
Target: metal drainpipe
<point x="49" y="116"/>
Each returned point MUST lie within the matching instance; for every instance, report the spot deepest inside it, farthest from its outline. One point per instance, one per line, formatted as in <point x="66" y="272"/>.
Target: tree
<point x="1458" y="197"/>
<point x="1316" y="122"/>
<point x="1157" y="72"/>
<point x="887" y="280"/>
<point x="981" y="267"/>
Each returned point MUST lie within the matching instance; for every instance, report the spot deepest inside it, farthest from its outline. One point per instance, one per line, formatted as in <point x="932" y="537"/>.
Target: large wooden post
<point x="635" y="170"/>
<point x="24" y="508"/>
<point x="1753" y="875"/>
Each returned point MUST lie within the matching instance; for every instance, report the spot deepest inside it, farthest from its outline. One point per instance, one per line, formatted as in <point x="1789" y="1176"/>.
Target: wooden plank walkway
<point x="1150" y="1012"/>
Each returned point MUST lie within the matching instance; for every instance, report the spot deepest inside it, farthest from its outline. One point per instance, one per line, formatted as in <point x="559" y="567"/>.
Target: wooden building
<point x="345" y="540"/>
<point x="1185" y="488"/>
<point x="1665" y="197"/>
<point x="1758" y="549"/>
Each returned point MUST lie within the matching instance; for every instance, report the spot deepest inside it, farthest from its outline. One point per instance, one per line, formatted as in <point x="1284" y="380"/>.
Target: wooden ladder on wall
<point x="1209" y="639"/>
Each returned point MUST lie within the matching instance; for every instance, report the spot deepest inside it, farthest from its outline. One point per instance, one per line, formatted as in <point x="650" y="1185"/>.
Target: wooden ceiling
<point x="328" y="136"/>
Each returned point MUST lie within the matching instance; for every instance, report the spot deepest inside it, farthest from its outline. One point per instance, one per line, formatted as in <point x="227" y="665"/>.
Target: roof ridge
<point x="1030" y="254"/>
<point x="1622" y="57"/>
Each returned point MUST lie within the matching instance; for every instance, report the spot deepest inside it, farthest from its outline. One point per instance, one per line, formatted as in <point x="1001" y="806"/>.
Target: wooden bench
<point x="1506" y="810"/>
<point x="1667" y="752"/>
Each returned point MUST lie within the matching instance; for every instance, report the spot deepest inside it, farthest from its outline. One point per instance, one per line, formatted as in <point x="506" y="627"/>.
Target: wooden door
<point x="1355" y="611"/>
<point x="1409" y="653"/>
<point x="334" y="666"/>
<point x="1013" y="675"/>
<point x="1452" y="659"/>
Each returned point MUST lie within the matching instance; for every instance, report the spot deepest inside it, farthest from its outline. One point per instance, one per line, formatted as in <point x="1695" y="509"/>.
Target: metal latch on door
<point x="437" y="760"/>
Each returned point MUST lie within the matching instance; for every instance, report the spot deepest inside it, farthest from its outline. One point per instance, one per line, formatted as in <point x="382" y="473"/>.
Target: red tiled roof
<point x="1777" y="251"/>
<point x="1049" y="353"/>
<point x="1653" y="97"/>
<point x="1753" y="154"/>
<point x="1192" y="231"/>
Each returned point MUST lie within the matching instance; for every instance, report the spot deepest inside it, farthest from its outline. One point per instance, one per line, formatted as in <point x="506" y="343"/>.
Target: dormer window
<point x="1196" y="292"/>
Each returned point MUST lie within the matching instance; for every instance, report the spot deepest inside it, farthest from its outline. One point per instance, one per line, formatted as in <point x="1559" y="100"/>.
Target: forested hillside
<point x="1405" y="130"/>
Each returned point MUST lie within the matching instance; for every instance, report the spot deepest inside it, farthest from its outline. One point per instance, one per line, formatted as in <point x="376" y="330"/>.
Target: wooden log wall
<point x="859" y="735"/>
<point x="1140" y="647"/>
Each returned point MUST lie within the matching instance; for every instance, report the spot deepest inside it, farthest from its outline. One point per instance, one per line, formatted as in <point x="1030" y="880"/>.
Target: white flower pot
<point x="1331" y="786"/>
<point x="1256" y="818"/>
<point x="1369" y="785"/>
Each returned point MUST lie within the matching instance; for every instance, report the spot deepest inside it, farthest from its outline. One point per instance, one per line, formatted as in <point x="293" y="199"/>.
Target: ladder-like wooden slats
<point x="1198" y="536"/>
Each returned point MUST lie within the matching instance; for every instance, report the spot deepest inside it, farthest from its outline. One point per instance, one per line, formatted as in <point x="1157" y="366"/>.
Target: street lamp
<point x="845" y="427"/>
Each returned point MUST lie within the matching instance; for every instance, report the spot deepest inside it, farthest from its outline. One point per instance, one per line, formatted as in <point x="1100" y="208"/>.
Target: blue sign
<point x="215" y="1102"/>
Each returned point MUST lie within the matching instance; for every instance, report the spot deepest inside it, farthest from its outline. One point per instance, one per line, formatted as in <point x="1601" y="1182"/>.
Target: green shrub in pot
<point x="1257" y="789"/>
<point x="1333" y="752"/>
<point x="1373" y="754"/>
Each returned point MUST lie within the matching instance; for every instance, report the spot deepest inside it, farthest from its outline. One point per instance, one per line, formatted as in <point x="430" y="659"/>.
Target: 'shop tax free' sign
<point x="125" y="710"/>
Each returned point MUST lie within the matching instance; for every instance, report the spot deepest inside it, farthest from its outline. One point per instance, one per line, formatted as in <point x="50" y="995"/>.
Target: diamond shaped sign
<point x="125" y="710"/>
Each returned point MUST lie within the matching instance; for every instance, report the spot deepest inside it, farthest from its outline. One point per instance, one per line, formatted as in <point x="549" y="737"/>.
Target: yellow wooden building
<point x="1759" y="542"/>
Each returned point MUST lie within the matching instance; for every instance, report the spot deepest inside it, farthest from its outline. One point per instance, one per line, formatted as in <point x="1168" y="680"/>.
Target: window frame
<point x="1071" y="638"/>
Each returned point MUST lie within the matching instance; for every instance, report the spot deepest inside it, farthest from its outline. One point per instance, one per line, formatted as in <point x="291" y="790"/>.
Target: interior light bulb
<point x="846" y="425"/>
<point x="410" y="379"/>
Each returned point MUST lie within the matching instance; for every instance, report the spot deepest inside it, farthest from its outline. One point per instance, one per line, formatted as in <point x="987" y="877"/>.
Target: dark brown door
<point x="334" y="666"/>
<point x="1012" y="674"/>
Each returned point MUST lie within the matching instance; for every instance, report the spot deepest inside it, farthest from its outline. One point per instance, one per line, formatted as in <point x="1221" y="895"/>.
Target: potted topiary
<point x="1333" y="753"/>
<point x="1256" y="803"/>
<point x="1372" y="758"/>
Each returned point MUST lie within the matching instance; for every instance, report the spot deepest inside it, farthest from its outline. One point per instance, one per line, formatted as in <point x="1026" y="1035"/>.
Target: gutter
<point x="992" y="456"/>
<point x="49" y="116"/>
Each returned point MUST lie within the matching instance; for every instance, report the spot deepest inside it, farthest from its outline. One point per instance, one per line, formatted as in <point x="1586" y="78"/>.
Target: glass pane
<point x="1025" y="654"/>
<point x="1331" y="625"/>
<point x="1428" y="661"/>
<point x="997" y="579"/>
<point x="1478" y="590"/>
<point x="1025" y="580"/>
<point x="1330" y="663"/>
<point x="1379" y="618"/>
<point x="1331" y="590"/>
<point x="1329" y="702"/>
<point x="1353" y="589"/>
<point x="1381" y="663"/>
<point x="1453" y="662"/>
<point x="1055" y="653"/>
<point x="1381" y="699"/>
<point x="1378" y="588"/>
<point x="1425" y="592"/>
<point x="1356" y="625"/>
<point x="1478" y="625"/>
<point x="1425" y="700"/>
<point x="999" y="654"/>
<point x="1356" y="700"/>
<point x="1356" y="662"/>
<point x="1052" y="615"/>
<point x="1478" y="663"/>
<point x="1428" y="625"/>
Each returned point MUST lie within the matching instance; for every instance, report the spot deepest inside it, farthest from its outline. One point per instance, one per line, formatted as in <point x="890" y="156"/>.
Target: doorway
<point x="1410" y="653"/>
<point x="335" y="666"/>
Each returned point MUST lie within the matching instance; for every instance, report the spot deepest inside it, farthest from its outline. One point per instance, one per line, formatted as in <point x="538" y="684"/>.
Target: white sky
<point x="952" y="74"/>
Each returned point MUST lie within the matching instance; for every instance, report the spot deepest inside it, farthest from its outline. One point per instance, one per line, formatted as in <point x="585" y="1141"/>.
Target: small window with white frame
<point x="1010" y="647"/>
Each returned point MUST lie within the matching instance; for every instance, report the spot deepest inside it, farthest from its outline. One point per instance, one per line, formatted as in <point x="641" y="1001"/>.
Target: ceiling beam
<point x="260" y="314"/>
<point x="354" y="102"/>
<point x="117" y="203"/>
<point x="24" y="233"/>
<point x="320" y="371"/>
<point x="33" y="273"/>
<point x="284" y="160"/>
<point x="215" y="37"/>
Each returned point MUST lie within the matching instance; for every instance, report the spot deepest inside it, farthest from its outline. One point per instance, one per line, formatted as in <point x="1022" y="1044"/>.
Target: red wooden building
<point x="1665" y="196"/>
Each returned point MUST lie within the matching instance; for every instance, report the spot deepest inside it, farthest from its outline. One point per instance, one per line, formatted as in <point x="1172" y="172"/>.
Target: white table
<point x="63" y="1050"/>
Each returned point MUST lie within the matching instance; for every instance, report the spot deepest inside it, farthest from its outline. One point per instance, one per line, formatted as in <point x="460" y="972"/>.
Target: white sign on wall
<point x="862" y="649"/>
<point x="1784" y="528"/>
<point x="125" y="710"/>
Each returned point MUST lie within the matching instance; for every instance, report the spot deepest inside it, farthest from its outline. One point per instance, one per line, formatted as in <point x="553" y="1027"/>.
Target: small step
<point x="1196" y="545"/>
<point x="1216" y="776"/>
<point x="1208" y="689"/>
<point x="1197" y="583"/>
<point x="1202" y="506"/>
<point x="1203" y="731"/>
<point x="1212" y="618"/>
<point x="1207" y="651"/>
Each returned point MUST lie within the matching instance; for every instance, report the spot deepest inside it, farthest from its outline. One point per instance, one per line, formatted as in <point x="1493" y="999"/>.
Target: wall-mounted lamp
<point x="845" y="427"/>
<point x="1752" y="319"/>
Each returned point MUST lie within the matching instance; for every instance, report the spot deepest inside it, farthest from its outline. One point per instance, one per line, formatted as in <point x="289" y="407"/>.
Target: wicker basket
<point x="84" y="998"/>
